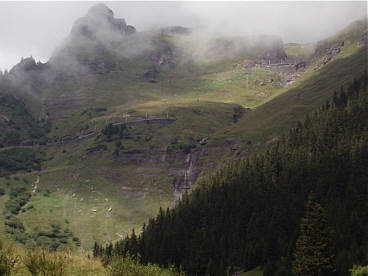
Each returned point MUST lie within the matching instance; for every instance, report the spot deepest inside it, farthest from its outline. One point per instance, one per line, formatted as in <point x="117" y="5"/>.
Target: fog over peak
<point x="100" y="10"/>
<point x="37" y="29"/>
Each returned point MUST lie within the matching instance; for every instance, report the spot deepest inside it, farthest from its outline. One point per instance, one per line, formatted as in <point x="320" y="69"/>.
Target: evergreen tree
<point x="248" y="214"/>
<point x="312" y="252"/>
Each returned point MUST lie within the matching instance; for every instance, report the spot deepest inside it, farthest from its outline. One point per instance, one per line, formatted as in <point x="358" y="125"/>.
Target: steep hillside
<point x="314" y="89"/>
<point x="317" y="85"/>
<point x="21" y="119"/>
<point x="353" y="35"/>
<point x="99" y="180"/>
<point x="119" y="123"/>
<point x="17" y="123"/>
<point x="247" y="214"/>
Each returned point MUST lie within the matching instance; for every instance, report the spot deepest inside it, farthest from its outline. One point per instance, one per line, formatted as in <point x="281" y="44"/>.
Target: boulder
<point x="151" y="75"/>
<point x="203" y="141"/>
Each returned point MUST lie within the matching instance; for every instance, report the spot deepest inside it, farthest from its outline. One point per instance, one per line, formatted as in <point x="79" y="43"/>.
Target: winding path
<point x="35" y="184"/>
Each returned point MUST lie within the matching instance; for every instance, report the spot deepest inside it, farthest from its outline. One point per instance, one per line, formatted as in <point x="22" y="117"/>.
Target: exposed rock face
<point x="130" y="29"/>
<point x="188" y="175"/>
<point x="165" y="58"/>
<point x="27" y="75"/>
<point x="94" y="43"/>
<point x="301" y="64"/>
<point x="99" y="23"/>
<point x="330" y="53"/>
<point x="363" y="40"/>
<point x="26" y="64"/>
<point x="151" y="75"/>
<point x="100" y="10"/>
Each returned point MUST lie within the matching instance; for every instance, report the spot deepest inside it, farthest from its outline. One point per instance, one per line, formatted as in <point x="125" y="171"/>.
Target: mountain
<point x="127" y="121"/>
<point x="93" y="41"/>
<point x="247" y="214"/>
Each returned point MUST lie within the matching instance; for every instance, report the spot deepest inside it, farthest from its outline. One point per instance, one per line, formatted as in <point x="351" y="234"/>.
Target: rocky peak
<point x="100" y="10"/>
<point x="99" y="24"/>
<point x="26" y="64"/>
<point x="95" y="42"/>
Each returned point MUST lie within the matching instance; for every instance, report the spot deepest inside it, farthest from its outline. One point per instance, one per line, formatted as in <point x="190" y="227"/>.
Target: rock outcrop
<point x="27" y="76"/>
<point x="25" y="65"/>
<point x="330" y="53"/>
<point x="363" y="40"/>
<point x="99" y="23"/>
<point x="95" y="43"/>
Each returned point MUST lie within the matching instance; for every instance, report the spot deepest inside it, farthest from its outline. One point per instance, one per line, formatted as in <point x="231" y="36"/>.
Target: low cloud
<point x="38" y="28"/>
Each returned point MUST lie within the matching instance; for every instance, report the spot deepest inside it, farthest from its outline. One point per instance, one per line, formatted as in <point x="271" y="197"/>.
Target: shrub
<point x="128" y="266"/>
<point x="187" y="147"/>
<point x="18" y="198"/>
<point x="15" y="223"/>
<point x="21" y="237"/>
<point x="77" y="241"/>
<point x="19" y="158"/>
<point x="16" y="191"/>
<point x="7" y="260"/>
<point x="12" y="207"/>
<point x="42" y="262"/>
<point x="358" y="270"/>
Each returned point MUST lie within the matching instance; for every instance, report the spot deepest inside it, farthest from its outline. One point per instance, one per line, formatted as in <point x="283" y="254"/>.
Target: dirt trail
<point x="35" y="184"/>
<point x="65" y="200"/>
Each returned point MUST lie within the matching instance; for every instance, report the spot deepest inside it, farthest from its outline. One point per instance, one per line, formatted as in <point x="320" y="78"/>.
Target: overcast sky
<point x="35" y="29"/>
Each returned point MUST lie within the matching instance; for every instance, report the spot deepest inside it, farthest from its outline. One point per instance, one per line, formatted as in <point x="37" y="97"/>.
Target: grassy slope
<point x="72" y="187"/>
<point x="284" y="111"/>
<point x="134" y="189"/>
<point x="200" y="99"/>
<point x="148" y="179"/>
<point x="68" y="263"/>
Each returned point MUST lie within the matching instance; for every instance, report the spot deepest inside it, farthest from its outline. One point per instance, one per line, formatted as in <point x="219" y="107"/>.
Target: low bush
<point x="19" y="158"/>
<point x="128" y="266"/>
<point x="8" y="260"/>
<point x="359" y="270"/>
<point x="18" y="198"/>
<point x="43" y="262"/>
<point x="15" y="223"/>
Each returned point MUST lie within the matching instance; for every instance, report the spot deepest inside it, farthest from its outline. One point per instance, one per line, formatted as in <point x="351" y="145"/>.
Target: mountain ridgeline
<point x="99" y="43"/>
<point x="248" y="213"/>
<point x="120" y="122"/>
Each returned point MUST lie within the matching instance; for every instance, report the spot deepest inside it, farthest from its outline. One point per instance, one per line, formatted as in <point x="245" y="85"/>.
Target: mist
<point x="37" y="29"/>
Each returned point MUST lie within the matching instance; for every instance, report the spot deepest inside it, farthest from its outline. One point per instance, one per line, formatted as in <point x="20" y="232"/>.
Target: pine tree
<point x="97" y="250"/>
<point x="248" y="214"/>
<point x="312" y="252"/>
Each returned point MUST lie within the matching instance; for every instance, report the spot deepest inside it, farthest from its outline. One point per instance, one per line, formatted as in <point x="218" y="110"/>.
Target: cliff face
<point x="94" y="42"/>
<point x="99" y="23"/>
